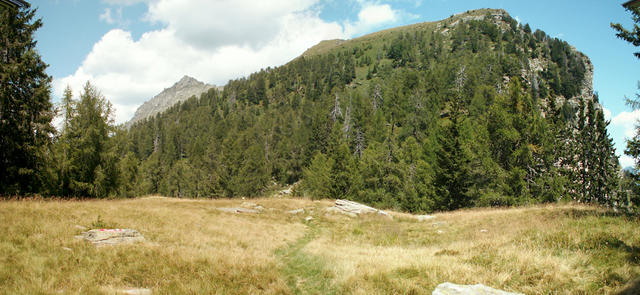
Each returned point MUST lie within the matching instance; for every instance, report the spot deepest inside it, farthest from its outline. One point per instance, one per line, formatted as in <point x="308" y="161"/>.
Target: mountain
<point x="472" y="110"/>
<point x="180" y="91"/>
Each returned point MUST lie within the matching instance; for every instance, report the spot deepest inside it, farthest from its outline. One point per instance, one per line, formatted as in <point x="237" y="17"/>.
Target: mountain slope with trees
<point x="472" y="110"/>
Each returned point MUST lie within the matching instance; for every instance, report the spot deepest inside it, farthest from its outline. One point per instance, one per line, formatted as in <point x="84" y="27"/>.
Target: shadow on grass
<point x="632" y="289"/>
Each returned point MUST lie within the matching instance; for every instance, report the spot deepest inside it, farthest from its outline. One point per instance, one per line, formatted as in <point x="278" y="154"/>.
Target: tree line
<point x="413" y="119"/>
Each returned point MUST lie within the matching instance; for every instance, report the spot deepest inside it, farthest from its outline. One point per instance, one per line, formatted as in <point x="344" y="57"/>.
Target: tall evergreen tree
<point x="25" y="109"/>
<point x="92" y="169"/>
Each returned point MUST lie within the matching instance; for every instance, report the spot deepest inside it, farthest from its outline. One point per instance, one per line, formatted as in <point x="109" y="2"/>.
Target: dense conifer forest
<point x="474" y="110"/>
<point x="434" y="116"/>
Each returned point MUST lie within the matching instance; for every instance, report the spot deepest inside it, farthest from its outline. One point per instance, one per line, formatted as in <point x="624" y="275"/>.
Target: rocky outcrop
<point x="180" y="91"/>
<point x="354" y="209"/>
<point x="479" y="289"/>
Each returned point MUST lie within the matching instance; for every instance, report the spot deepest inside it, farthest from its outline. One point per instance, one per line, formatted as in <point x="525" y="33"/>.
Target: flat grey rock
<point x="478" y="289"/>
<point x="296" y="211"/>
<point x="354" y="209"/>
<point x="237" y="210"/>
<point x="424" y="217"/>
<point x="104" y="237"/>
<point x="137" y="291"/>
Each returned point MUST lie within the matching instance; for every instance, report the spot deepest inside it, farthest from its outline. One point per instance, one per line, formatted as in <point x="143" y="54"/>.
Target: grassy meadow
<point x="193" y="248"/>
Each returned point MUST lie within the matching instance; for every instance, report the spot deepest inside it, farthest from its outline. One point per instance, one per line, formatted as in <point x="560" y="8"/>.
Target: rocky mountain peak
<point x="182" y="90"/>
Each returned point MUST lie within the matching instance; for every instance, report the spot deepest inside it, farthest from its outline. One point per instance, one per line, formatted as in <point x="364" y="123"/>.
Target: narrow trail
<point x="305" y="273"/>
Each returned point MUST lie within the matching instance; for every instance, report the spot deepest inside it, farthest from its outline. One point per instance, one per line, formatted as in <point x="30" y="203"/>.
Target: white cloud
<point x="607" y="113"/>
<point x="114" y="17"/>
<point x="627" y="161"/>
<point x="627" y="120"/>
<point x="208" y="24"/>
<point x="213" y="41"/>
<point x="106" y="16"/>
<point x="372" y="16"/>
<point x="123" y="2"/>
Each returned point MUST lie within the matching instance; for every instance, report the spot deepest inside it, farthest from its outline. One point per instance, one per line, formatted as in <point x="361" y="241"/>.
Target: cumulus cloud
<point x="213" y="41"/>
<point x="370" y="17"/>
<point x="209" y="24"/>
<point x="626" y="120"/>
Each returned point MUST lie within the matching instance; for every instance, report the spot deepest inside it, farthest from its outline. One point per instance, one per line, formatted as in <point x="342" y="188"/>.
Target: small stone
<point x="308" y="218"/>
<point x="454" y="289"/>
<point x="137" y="291"/>
<point x="237" y="210"/>
<point x="248" y="205"/>
<point x="424" y="217"/>
<point x="484" y="231"/>
<point x="439" y="231"/>
<point x="67" y="249"/>
<point x="296" y="211"/>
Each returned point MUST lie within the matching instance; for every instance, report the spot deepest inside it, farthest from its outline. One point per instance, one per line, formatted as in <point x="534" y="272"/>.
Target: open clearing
<point x="191" y="247"/>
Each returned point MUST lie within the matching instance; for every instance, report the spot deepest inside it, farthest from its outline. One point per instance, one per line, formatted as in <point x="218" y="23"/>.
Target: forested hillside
<point x="473" y="110"/>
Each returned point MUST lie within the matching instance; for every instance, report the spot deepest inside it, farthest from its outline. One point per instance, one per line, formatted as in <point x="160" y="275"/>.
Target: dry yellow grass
<point x="193" y="248"/>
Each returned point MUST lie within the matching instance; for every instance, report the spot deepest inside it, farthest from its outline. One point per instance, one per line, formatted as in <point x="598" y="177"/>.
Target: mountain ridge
<point x="180" y="91"/>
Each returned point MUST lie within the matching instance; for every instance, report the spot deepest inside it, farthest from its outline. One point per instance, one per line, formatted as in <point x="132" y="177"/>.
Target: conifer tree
<point x="25" y="109"/>
<point x="453" y="179"/>
<point x="92" y="167"/>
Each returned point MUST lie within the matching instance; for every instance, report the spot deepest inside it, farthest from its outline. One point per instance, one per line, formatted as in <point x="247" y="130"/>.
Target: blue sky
<point x="133" y="49"/>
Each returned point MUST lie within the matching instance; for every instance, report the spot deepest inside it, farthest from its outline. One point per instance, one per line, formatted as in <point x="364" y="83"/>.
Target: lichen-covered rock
<point x="479" y="289"/>
<point x="102" y="237"/>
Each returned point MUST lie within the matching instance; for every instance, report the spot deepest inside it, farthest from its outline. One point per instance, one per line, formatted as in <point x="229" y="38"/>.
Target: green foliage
<point x="88" y="165"/>
<point x="25" y="109"/>
<point x="415" y="119"/>
<point x="632" y="36"/>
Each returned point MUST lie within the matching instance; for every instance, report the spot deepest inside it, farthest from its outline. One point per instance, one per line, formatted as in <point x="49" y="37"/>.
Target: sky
<point x="133" y="49"/>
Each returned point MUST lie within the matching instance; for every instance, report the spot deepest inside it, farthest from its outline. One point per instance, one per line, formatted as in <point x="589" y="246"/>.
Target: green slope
<point x="473" y="110"/>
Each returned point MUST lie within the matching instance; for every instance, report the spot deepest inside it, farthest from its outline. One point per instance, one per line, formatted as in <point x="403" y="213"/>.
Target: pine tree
<point x="25" y="109"/>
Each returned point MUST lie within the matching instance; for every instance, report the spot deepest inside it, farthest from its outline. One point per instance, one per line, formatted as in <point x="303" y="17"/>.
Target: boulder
<point x="102" y="237"/>
<point x="354" y="209"/>
<point x="478" y="289"/>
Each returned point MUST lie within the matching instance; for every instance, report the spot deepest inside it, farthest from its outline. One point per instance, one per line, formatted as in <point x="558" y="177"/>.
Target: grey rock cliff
<point x="180" y="91"/>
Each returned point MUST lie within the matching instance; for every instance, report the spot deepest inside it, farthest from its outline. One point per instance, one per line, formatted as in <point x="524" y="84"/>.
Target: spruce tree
<point x="25" y="109"/>
<point x="453" y="181"/>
